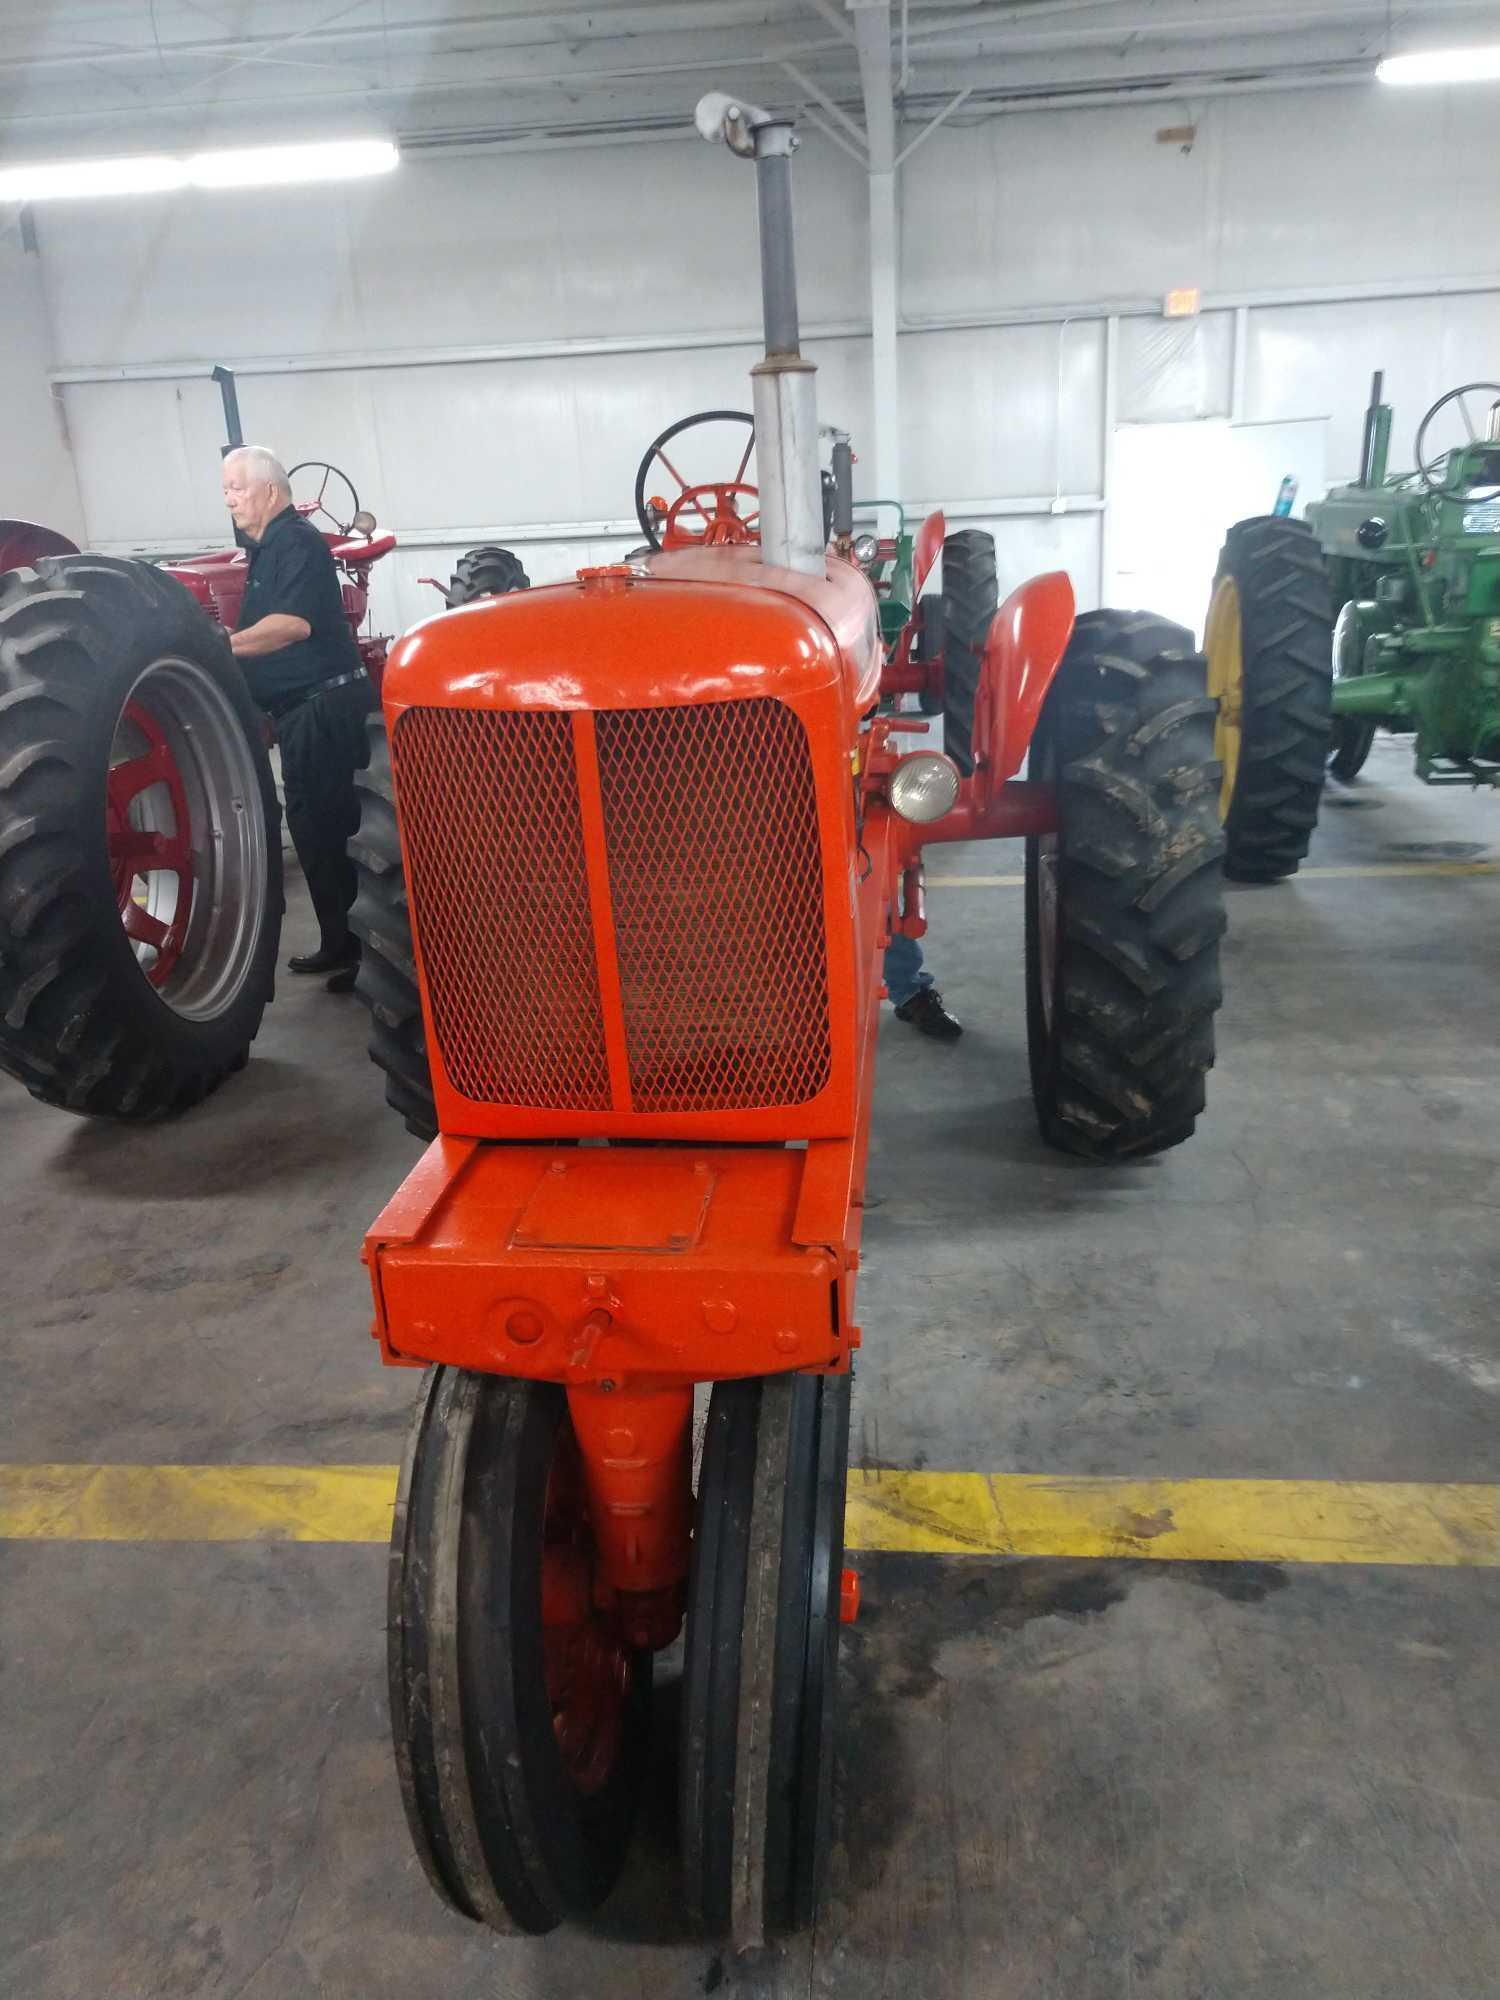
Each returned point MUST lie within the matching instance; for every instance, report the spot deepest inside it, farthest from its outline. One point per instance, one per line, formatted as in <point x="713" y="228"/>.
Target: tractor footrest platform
<point x="616" y="1264"/>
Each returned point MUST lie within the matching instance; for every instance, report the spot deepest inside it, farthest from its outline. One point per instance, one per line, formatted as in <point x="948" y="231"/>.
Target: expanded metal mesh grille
<point x="489" y="810"/>
<point x="716" y="888"/>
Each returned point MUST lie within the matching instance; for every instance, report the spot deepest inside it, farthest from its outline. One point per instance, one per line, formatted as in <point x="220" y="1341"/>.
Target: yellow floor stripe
<point x="1364" y="868"/>
<point x="935" y="1513"/>
<point x="1184" y="1520"/>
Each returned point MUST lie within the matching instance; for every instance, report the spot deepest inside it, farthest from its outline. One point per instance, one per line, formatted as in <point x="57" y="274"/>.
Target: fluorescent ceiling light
<point x="275" y="166"/>
<point x="1443" y="66"/>
<point x="148" y="174"/>
<point x="241" y="166"/>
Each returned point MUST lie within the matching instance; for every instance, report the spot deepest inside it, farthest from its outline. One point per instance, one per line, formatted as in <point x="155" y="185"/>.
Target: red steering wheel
<point x="711" y="513"/>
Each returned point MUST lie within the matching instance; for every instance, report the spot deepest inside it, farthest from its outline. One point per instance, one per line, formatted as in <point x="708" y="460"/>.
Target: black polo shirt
<point x="292" y="572"/>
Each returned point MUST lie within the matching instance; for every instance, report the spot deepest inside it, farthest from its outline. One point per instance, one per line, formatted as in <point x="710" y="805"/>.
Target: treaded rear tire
<point x="488" y="571"/>
<point x="1286" y="640"/>
<point x="81" y="1024"/>
<point x="970" y="597"/>
<point x="381" y="920"/>
<point x="1122" y="965"/>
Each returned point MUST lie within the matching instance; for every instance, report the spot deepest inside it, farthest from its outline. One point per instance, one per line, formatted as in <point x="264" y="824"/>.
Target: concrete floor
<point x="1059" y="1780"/>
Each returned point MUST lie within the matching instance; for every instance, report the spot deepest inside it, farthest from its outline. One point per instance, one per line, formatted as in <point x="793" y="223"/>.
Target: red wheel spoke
<point x="144" y="928"/>
<point x="688" y="492"/>
<point x="138" y="774"/>
<point x="152" y="853"/>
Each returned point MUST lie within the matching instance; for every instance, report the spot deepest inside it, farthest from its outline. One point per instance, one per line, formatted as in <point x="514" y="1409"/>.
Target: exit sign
<point x="1180" y="304"/>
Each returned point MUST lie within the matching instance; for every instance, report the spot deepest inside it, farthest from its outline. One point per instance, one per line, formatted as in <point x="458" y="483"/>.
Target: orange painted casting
<point x="652" y="871"/>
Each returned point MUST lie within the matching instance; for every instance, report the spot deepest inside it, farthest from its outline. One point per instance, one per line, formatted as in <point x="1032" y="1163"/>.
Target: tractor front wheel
<point x="758" y="1691"/>
<point x="519" y="1713"/>
<point x="1269" y="643"/>
<point x="1124" y="902"/>
<point x="140" y="851"/>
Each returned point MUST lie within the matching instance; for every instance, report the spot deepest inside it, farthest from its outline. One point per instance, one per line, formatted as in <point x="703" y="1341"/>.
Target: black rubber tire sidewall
<point x="1352" y="742"/>
<point x="488" y="571"/>
<point x="806" y="1645"/>
<point x="546" y="1851"/>
<point x="381" y="920"/>
<point x="1126" y="735"/>
<point x="1286" y="650"/>
<point x="971" y="596"/>
<point x="126" y="617"/>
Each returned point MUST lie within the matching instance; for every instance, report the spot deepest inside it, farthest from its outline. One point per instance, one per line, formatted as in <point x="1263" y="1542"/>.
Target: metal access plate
<point x="597" y="1198"/>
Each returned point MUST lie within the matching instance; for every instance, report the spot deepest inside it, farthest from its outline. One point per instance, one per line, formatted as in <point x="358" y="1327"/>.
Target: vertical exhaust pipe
<point x="783" y="383"/>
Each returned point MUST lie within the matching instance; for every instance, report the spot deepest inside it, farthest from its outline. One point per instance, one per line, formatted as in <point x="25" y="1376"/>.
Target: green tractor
<point x="1381" y="609"/>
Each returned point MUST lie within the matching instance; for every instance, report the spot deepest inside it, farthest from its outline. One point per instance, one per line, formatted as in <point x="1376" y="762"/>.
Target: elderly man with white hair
<point x="304" y="669"/>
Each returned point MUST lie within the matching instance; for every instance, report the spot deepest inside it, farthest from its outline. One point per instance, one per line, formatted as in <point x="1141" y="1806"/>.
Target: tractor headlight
<point x="924" y="786"/>
<point x="866" y="548"/>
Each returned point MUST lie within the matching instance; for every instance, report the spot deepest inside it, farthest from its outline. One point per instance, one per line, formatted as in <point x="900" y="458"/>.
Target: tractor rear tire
<point x="140" y="843"/>
<point x="970" y="597"/>
<point x="488" y="571"/>
<point x="1124" y="903"/>
<point x="1271" y="609"/>
<point x="381" y="920"/>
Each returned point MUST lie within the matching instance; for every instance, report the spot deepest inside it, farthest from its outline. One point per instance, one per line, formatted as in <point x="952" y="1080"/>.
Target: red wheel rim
<point x="149" y="832"/>
<point x="588" y="1665"/>
<point x="716" y="504"/>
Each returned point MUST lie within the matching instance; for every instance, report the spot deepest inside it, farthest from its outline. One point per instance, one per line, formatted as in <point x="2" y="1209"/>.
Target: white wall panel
<point x="1002" y="411"/>
<point x="542" y="246"/>
<point x="1311" y="361"/>
<point x="1078" y="209"/>
<point x="1174" y="370"/>
<point x="1277" y="192"/>
<point x="37" y="478"/>
<point x="1038" y="210"/>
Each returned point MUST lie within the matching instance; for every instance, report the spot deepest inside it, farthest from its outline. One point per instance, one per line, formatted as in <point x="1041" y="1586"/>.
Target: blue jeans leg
<point x="905" y="975"/>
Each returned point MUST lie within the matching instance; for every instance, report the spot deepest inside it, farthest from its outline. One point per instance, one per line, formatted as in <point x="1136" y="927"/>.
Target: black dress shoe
<point x="343" y="980"/>
<point x="324" y="960"/>
<point x="926" y="1012"/>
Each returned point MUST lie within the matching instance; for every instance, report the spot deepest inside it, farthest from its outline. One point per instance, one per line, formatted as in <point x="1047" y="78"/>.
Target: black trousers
<point x="323" y="743"/>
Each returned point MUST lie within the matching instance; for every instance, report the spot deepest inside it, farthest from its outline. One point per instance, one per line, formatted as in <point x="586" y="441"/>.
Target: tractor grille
<point x="489" y="813"/>
<point x="715" y="880"/>
<point x="714" y="888"/>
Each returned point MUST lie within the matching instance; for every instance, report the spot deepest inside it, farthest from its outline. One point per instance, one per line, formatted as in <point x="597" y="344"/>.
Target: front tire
<point x="1124" y="903"/>
<point x="1269" y="643"/>
<point x="140" y="850"/>
<point x="519" y="1716"/>
<point x="760" y="1667"/>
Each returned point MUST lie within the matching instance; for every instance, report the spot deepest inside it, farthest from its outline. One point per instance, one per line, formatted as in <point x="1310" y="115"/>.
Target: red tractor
<point x="140" y="847"/>
<point x="631" y="852"/>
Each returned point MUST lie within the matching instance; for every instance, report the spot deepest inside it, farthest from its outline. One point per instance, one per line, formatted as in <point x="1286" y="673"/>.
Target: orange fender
<point x="1027" y="640"/>
<point x="925" y="551"/>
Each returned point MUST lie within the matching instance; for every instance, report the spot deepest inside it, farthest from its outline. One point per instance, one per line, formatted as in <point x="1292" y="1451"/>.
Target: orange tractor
<point x="628" y="866"/>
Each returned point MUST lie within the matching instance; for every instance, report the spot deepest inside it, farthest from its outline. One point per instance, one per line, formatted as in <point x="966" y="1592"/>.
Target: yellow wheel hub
<point x="1226" y="682"/>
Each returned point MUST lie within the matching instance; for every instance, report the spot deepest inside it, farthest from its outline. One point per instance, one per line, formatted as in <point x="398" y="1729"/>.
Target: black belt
<point x="285" y="707"/>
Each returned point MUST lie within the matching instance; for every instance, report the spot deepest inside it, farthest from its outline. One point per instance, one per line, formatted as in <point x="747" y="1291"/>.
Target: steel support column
<point x="872" y="40"/>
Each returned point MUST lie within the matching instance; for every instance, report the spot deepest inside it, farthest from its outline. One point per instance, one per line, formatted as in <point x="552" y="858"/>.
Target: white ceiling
<point x="80" y="76"/>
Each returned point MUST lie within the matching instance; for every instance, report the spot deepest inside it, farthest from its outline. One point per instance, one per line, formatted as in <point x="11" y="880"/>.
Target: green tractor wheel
<point x="1269" y="644"/>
